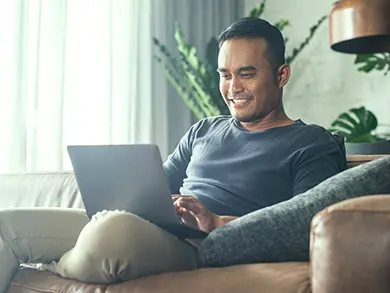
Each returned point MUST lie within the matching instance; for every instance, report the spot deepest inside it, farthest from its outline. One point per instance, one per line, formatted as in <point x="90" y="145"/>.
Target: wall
<point x="324" y="83"/>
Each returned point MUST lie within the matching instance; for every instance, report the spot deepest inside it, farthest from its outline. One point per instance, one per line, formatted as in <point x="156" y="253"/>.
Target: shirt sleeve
<point x="175" y="166"/>
<point x="316" y="164"/>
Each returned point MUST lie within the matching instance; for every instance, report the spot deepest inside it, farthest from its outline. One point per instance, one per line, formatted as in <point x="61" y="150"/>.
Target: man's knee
<point x="118" y="246"/>
<point x="116" y="234"/>
<point x="11" y="220"/>
<point x="7" y="216"/>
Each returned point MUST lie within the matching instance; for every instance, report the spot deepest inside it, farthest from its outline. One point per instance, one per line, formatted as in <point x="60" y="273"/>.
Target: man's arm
<point x="316" y="164"/>
<point x="224" y="220"/>
<point x="313" y="166"/>
<point x="175" y="166"/>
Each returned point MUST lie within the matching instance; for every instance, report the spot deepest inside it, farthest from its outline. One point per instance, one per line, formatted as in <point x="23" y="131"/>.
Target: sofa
<point x="349" y="247"/>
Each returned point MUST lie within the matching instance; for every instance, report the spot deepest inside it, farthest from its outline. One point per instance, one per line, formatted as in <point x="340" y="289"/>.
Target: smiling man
<point x="224" y="168"/>
<point x="257" y="157"/>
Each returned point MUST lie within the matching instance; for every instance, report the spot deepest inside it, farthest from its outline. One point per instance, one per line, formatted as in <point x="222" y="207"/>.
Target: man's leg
<point x="117" y="246"/>
<point x="34" y="236"/>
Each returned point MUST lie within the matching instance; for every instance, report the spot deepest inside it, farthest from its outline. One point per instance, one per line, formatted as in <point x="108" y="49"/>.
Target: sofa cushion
<point x="256" y="278"/>
<point x="55" y="189"/>
<point x="282" y="232"/>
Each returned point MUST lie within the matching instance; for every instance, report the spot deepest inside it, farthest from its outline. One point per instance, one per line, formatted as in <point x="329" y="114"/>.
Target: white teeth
<point x="241" y="101"/>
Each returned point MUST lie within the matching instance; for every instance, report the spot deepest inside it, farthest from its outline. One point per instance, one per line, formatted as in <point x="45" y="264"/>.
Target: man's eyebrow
<point x="239" y="70"/>
<point x="222" y="69"/>
<point x="246" y="68"/>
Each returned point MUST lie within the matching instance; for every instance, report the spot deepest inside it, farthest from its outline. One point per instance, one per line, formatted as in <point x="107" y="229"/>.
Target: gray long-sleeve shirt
<point x="234" y="172"/>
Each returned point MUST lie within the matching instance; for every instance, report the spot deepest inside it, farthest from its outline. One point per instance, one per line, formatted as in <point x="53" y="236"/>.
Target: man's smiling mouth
<point x="239" y="102"/>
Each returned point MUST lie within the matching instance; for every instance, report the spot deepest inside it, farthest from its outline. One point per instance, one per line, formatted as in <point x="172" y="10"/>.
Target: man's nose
<point x="236" y="86"/>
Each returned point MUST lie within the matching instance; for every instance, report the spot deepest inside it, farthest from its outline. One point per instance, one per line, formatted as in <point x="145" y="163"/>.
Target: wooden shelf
<point x="355" y="160"/>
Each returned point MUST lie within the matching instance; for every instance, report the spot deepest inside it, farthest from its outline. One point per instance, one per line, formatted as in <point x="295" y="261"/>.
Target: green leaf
<point x="381" y="66"/>
<point x="204" y="98"/>
<point x="185" y="94"/>
<point x="212" y="79"/>
<point x="343" y="126"/>
<point x="368" y="67"/>
<point x="212" y="50"/>
<point x="168" y="56"/>
<point x="281" y="24"/>
<point x="359" y="129"/>
<point x="361" y="116"/>
<point x="197" y="73"/>
<point x="258" y="10"/>
<point x="348" y="118"/>
<point x="369" y="121"/>
<point x="370" y="62"/>
<point x="181" y="75"/>
<point x="362" y="58"/>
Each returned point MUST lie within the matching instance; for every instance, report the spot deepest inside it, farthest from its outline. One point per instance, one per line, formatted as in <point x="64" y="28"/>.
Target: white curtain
<point x="82" y="72"/>
<point x="73" y="72"/>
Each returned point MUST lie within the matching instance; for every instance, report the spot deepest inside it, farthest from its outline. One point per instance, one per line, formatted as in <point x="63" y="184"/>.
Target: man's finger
<point x="182" y="195"/>
<point x="189" y="204"/>
<point x="177" y="196"/>
<point x="188" y="218"/>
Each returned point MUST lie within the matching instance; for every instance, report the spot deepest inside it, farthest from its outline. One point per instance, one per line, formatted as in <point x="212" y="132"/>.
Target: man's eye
<point x="225" y="76"/>
<point x="247" y="75"/>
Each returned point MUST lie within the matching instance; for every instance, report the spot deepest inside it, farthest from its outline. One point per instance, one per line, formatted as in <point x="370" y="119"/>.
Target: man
<point x="223" y="168"/>
<point x="233" y="166"/>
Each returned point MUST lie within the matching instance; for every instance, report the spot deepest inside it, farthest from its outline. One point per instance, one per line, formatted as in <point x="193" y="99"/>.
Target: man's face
<point x="247" y="79"/>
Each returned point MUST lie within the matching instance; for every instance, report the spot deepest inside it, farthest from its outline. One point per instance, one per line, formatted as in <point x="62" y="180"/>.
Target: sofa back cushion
<point x="39" y="190"/>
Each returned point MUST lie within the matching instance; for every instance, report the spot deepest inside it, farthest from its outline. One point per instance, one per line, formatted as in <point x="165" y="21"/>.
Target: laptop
<point x="129" y="178"/>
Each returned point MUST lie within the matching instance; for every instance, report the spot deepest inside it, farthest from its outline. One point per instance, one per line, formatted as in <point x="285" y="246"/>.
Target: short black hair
<point x="251" y="27"/>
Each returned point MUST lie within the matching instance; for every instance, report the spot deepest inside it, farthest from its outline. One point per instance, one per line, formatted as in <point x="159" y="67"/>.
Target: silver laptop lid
<point x="124" y="177"/>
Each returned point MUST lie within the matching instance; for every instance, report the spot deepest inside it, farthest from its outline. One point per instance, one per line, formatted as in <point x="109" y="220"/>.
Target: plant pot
<point x="368" y="148"/>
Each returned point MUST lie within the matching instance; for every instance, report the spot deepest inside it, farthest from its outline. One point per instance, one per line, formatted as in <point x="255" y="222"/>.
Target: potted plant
<point x="196" y="81"/>
<point x="359" y="126"/>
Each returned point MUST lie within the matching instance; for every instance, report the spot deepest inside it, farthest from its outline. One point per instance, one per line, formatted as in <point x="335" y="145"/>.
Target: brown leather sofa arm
<point x="350" y="247"/>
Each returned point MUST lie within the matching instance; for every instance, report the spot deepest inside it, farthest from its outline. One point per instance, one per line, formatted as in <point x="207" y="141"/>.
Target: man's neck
<point x="276" y="118"/>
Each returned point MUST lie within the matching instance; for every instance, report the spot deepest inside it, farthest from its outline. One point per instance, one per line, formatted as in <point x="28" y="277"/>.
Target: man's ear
<point x="284" y="73"/>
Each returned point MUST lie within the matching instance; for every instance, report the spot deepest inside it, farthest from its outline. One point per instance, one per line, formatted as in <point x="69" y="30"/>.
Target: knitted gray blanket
<point x="282" y="232"/>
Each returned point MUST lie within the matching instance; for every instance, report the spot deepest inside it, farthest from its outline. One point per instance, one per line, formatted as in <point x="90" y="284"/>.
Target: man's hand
<point x="194" y="214"/>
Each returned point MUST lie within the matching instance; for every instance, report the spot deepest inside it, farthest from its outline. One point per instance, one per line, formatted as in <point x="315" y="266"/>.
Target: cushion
<point x="282" y="232"/>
